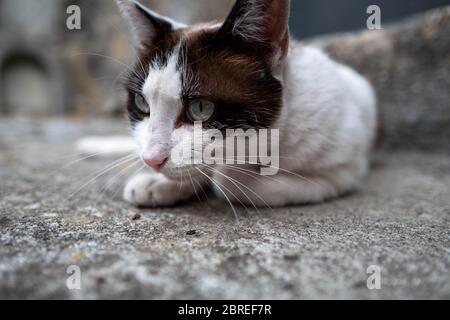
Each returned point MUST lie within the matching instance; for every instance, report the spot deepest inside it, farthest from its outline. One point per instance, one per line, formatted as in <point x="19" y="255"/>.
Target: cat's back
<point x="313" y="80"/>
<point x="313" y="69"/>
<point x="329" y="108"/>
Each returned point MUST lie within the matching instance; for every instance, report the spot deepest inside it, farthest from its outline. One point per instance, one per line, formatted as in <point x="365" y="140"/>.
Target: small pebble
<point x="191" y="233"/>
<point x="293" y="257"/>
<point x="136" y="216"/>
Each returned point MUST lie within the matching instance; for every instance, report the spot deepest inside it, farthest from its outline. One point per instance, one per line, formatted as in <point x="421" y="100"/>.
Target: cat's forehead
<point x="195" y="61"/>
<point x="164" y="66"/>
<point x="165" y="46"/>
<point x="164" y="77"/>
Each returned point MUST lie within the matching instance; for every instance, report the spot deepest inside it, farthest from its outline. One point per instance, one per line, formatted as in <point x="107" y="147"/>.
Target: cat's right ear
<point x="146" y="24"/>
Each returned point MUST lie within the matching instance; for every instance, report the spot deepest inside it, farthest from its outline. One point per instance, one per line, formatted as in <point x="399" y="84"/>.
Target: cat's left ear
<point x="146" y="24"/>
<point x="264" y="23"/>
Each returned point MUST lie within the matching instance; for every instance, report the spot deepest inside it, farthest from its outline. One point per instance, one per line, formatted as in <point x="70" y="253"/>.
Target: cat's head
<point x="225" y="75"/>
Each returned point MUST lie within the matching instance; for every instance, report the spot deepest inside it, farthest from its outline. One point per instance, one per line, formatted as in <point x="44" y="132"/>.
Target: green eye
<point x="201" y="110"/>
<point x="141" y="103"/>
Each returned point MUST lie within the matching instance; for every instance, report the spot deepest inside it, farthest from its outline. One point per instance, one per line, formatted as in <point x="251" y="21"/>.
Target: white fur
<point x="162" y="89"/>
<point x="155" y="190"/>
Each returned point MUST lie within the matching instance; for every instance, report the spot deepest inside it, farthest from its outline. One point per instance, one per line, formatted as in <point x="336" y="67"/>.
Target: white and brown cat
<point x="245" y="73"/>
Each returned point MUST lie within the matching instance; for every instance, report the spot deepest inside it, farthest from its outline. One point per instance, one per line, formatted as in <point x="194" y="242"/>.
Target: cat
<point x="245" y="72"/>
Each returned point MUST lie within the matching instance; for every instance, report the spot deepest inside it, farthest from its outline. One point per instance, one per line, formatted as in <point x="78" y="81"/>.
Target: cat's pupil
<point x="201" y="110"/>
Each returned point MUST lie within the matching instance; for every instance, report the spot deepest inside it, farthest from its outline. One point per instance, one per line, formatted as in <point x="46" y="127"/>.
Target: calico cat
<point x="244" y="73"/>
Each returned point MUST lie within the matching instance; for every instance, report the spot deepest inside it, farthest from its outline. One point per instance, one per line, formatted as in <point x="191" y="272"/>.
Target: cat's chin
<point x="180" y="173"/>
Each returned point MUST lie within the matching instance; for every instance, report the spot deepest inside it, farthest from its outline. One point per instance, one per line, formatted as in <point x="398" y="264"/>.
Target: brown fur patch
<point x="232" y="74"/>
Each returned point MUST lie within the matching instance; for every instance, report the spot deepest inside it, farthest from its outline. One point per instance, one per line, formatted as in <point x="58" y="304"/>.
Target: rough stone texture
<point x="409" y="64"/>
<point x="400" y="222"/>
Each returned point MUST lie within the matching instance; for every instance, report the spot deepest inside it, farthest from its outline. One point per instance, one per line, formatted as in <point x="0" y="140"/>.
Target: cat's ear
<point x="262" y="22"/>
<point x="146" y="24"/>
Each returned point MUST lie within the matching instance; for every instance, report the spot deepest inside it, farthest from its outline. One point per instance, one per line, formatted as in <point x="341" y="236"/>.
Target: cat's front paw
<point x="153" y="190"/>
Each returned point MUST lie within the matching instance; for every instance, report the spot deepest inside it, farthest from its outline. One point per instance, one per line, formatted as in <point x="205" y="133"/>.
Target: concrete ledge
<point x="409" y="65"/>
<point x="400" y="222"/>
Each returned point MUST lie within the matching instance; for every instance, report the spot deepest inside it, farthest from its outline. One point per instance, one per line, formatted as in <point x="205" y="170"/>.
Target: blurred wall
<point x="318" y="17"/>
<point x="46" y="69"/>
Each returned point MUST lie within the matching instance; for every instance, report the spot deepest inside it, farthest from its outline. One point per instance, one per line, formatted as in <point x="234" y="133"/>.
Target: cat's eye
<point x="201" y="110"/>
<point x="141" y="103"/>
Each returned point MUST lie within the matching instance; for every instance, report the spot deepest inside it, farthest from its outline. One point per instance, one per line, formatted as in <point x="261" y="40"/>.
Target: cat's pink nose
<point x="156" y="163"/>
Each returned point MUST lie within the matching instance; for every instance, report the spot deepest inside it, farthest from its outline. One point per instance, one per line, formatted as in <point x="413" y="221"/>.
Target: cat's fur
<point x="325" y="111"/>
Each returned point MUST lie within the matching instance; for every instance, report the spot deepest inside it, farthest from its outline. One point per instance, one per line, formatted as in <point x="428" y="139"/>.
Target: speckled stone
<point x="400" y="222"/>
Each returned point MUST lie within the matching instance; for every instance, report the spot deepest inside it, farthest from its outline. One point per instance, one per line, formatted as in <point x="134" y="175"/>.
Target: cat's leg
<point x="155" y="190"/>
<point x="251" y="189"/>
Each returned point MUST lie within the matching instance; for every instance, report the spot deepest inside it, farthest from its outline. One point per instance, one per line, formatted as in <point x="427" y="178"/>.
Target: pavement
<point x="399" y="223"/>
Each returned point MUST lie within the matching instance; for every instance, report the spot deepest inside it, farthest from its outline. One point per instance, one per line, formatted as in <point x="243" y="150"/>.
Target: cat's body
<point x="327" y="128"/>
<point x="326" y="113"/>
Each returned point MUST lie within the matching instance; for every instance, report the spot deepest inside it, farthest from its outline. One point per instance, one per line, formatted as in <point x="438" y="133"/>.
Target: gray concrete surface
<point x="400" y="222"/>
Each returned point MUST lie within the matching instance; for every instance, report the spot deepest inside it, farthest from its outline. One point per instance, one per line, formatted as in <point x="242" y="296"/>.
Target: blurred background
<point x="46" y="69"/>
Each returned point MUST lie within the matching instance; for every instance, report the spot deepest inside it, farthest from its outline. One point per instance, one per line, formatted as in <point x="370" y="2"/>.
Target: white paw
<point x="152" y="190"/>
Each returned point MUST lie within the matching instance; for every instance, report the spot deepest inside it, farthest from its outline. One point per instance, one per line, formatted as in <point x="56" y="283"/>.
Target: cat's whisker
<point x="193" y="186"/>
<point x="182" y="176"/>
<point x="236" y="183"/>
<point x="273" y="167"/>
<point x="129" y="67"/>
<point x="224" y="194"/>
<point x="252" y="174"/>
<point x="112" y="181"/>
<point x="285" y="171"/>
<point x="199" y="184"/>
<point x="131" y="84"/>
<point x="296" y="175"/>
<point x="257" y="157"/>
<point x="234" y="195"/>
<point x="122" y="185"/>
<point x="145" y="72"/>
<point x="75" y="155"/>
<point x="113" y="77"/>
<point x="82" y="159"/>
<point x="108" y="166"/>
<point x="249" y="173"/>
<point x="133" y="51"/>
<point x="116" y="164"/>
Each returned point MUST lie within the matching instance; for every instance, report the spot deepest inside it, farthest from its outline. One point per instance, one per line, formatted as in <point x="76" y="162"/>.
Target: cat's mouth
<point x="170" y="170"/>
<point x="180" y="174"/>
